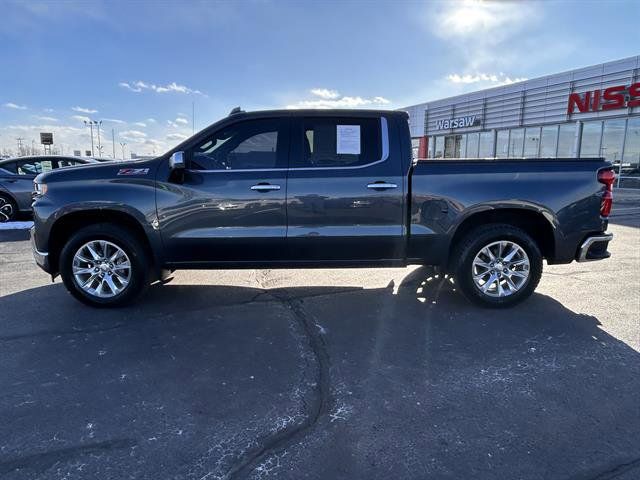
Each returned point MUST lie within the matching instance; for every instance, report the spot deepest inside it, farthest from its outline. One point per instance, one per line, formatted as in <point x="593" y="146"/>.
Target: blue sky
<point x="139" y="66"/>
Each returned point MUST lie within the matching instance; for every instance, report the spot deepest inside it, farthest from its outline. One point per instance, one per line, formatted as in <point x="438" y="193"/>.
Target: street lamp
<point x="91" y="123"/>
<point x="123" y="144"/>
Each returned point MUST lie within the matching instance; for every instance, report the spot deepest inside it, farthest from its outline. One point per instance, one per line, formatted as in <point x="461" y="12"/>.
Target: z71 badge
<point x="133" y="171"/>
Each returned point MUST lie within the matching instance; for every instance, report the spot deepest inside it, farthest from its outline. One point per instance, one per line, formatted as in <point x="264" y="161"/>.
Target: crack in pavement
<point x="315" y="407"/>
<point x="43" y="461"/>
<point x="611" y="472"/>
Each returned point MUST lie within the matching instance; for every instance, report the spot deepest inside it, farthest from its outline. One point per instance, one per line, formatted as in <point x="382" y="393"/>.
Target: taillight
<point x="607" y="177"/>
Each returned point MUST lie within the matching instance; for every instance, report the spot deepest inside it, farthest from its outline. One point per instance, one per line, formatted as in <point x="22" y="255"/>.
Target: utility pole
<point x="20" y="139"/>
<point x="193" y="118"/>
<point x="113" y="142"/>
<point x="123" y="144"/>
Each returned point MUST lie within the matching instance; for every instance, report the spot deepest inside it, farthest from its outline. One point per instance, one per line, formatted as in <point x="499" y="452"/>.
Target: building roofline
<point x="523" y="82"/>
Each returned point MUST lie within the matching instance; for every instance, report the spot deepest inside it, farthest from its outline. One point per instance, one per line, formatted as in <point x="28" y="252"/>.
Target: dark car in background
<point x="16" y="180"/>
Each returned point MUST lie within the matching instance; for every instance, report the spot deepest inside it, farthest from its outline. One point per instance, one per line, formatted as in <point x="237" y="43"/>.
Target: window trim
<point x="384" y="131"/>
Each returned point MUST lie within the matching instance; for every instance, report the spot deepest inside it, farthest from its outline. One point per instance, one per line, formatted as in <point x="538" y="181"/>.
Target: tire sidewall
<point x="483" y="237"/>
<point x="124" y="240"/>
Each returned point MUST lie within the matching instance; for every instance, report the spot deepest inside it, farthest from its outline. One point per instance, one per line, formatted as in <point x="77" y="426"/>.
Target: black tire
<point x="126" y="241"/>
<point x="8" y="208"/>
<point x="470" y="246"/>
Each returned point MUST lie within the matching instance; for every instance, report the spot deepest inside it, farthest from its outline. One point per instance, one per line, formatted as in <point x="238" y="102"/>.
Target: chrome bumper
<point x="41" y="258"/>
<point x="594" y="248"/>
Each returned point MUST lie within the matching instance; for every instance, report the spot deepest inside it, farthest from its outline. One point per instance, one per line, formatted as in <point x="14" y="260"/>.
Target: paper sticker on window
<point x="348" y="139"/>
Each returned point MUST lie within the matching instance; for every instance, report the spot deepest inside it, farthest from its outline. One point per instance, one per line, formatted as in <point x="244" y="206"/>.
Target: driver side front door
<point x="231" y="205"/>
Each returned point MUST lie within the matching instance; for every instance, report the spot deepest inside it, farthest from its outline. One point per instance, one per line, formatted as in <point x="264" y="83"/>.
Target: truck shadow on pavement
<point x="345" y="382"/>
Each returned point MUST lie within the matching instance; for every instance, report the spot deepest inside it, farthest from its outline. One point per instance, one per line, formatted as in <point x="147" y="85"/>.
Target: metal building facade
<point x="533" y="119"/>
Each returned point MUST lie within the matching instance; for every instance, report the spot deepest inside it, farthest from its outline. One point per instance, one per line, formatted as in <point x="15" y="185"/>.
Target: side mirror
<point x="176" y="161"/>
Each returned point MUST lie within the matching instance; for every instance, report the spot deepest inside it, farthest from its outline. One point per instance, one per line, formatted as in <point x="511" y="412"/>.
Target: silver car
<point x="16" y="180"/>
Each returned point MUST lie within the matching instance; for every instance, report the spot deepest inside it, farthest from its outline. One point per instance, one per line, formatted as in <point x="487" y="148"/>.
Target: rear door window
<point x="339" y="142"/>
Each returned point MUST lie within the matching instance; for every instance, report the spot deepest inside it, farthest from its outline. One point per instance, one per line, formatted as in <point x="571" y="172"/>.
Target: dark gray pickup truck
<point x="335" y="188"/>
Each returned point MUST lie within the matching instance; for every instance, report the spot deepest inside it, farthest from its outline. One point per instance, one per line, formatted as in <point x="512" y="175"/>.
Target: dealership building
<point x="588" y="112"/>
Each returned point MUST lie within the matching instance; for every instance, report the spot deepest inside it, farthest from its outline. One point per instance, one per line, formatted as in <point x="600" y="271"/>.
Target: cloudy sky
<point x="141" y="66"/>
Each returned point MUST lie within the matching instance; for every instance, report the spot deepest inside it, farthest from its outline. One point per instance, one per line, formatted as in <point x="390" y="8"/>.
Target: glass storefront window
<point x="486" y="145"/>
<point x="439" y="148"/>
<point x="502" y="144"/>
<point x="531" y="142"/>
<point x="516" y="140"/>
<point x="630" y="177"/>
<point x="548" y="141"/>
<point x="472" y="145"/>
<point x="590" y="142"/>
<point x="463" y="146"/>
<point x="452" y="146"/>
<point x="566" y="139"/>
<point x="612" y="138"/>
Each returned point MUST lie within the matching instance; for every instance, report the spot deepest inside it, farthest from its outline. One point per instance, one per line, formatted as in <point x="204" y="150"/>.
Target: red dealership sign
<point x="610" y="98"/>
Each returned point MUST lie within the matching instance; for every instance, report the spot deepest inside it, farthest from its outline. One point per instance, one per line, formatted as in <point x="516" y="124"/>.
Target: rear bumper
<point x="41" y="258"/>
<point x="594" y="248"/>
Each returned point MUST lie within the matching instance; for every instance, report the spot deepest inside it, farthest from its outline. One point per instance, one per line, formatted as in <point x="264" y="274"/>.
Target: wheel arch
<point x="66" y="225"/>
<point x="534" y="222"/>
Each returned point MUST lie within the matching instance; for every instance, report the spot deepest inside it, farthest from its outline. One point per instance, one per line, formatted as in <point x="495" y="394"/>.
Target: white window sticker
<point x="348" y="139"/>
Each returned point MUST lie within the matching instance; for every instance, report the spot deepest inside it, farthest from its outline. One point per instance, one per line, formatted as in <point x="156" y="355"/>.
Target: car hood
<point x="103" y="170"/>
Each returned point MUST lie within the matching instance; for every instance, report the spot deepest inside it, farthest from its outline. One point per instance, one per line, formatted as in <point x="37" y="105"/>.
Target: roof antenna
<point x="236" y="110"/>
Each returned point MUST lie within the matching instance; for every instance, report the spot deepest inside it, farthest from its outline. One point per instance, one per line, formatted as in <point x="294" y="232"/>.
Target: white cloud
<point x="84" y="110"/>
<point x="133" y="135"/>
<point x="151" y="120"/>
<point x="484" y="35"/>
<point x="325" y="98"/>
<point x="139" y="86"/>
<point x="140" y="124"/>
<point x="114" y="120"/>
<point x="493" y="79"/>
<point x="183" y="121"/>
<point x="15" y="106"/>
<point x="81" y="118"/>
<point x="176" y="136"/>
<point x="47" y="110"/>
<point x="45" y="119"/>
<point x="325" y="93"/>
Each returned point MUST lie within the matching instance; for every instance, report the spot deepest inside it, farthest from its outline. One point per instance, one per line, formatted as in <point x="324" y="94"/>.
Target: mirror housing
<point x="176" y="161"/>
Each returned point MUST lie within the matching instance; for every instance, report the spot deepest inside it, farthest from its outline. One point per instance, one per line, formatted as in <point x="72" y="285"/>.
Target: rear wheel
<point x="497" y="265"/>
<point x="8" y="209"/>
<point x="104" y="265"/>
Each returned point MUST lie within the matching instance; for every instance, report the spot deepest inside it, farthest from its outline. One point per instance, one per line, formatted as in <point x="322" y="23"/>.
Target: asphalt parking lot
<point x="368" y="374"/>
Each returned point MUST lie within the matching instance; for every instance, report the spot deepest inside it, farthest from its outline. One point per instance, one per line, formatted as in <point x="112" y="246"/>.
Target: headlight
<point x="39" y="189"/>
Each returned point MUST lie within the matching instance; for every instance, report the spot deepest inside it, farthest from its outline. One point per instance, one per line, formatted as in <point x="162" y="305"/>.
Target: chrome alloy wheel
<point x="101" y="269"/>
<point x="6" y="210"/>
<point x="500" y="269"/>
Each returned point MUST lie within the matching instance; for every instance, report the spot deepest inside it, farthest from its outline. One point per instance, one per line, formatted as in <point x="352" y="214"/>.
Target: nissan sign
<point x="460" y="122"/>
<point x="621" y="96"/>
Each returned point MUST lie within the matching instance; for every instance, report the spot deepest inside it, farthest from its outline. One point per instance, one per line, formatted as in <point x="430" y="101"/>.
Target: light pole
<point x="123" y="144"/>
<point x="113" y="142"/>
<point x="98" y="123"/>
<point x="90" y="124"/>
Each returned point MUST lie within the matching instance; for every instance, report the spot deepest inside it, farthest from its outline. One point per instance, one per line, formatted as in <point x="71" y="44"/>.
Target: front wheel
<point x="104" y="265"/>
<point x="497" y="265"/>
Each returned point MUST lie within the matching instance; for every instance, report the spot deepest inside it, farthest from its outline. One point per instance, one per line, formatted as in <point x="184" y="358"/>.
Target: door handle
<point x="381" y="185"/>
<point x="265" y="187"/>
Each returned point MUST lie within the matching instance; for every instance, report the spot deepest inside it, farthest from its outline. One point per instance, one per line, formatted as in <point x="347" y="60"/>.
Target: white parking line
<point x="16" y="225"/>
